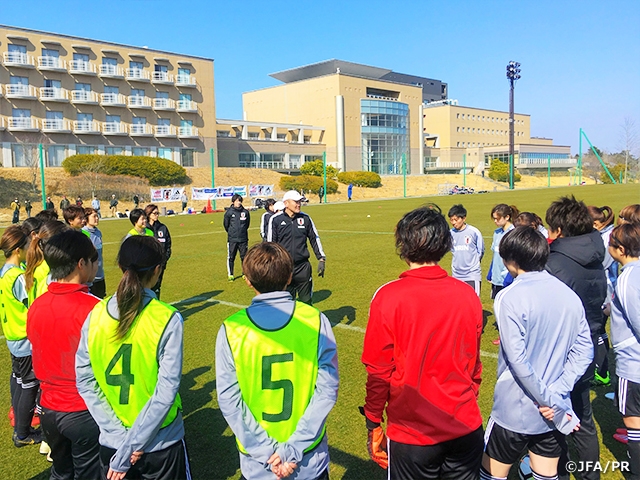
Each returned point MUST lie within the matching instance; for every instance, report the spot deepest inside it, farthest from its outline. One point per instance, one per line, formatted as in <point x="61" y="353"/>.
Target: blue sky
<point x="580" y="59"/>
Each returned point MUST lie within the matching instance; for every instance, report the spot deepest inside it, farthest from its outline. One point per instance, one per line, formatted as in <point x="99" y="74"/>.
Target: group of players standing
<point x="109" y="370"/>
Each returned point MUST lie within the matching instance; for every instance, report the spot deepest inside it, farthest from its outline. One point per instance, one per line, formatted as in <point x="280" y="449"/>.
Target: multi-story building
<point x="457" y="137"/>
<point x="76" y="95"/>
<point x="372" y="116"/>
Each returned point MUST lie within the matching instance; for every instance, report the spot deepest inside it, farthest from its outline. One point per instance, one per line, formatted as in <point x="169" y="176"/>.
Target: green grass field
<point x="358" y="241"/>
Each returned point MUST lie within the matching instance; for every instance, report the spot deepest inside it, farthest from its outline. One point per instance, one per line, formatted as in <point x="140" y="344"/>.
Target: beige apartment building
<point x="457" y="137"/>
<point x="372" y="116"/>
<point x="76" y="95"/>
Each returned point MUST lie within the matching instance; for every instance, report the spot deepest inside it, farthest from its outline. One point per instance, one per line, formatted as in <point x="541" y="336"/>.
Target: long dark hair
<point x="12" y="239"/>
<point x="604" y="215"/>
<point x="35" y="255"/>
<point x="138" y="257"/>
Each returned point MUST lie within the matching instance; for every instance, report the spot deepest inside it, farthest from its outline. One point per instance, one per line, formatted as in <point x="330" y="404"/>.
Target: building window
<point x="55" y="155"/>
<point x="254" y="135"/>
<point x="81" y="57"/>
<point x="140" y="151"/>
<point x="385" y="137"/>
<point x="223" y="133"/>
<point x="114" y="151"/>
<point x="109" y="61"/>
<point x="137" y="92"/>
<point x="110" y="89"/>
<point x="165" y="153"/>
<point x="186" y="157"/>
<point x="135" y="65"/>
<point x="24" y="154"/>
<point x="112" y="119"/>
<point x="86" y="150"/>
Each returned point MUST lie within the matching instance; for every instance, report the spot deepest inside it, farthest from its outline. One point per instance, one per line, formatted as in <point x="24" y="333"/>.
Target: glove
<point x="321" y="264"/>
<point x="377" y="446"/>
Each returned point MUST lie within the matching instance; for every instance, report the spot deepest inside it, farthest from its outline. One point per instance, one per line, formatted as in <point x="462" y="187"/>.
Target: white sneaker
<point x="524" y="472"/>
<point x="44" y="448"/>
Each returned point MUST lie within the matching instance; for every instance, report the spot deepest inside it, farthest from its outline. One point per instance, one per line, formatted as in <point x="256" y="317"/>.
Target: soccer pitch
<point x="358" y="240"/>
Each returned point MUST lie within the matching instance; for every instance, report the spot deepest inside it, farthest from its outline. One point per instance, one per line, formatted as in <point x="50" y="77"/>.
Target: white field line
<point x="337" y="325"/>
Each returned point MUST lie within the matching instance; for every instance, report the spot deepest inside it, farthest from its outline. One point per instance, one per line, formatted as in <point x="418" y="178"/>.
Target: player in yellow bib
<point x="36" y="274"/>
<point x="128" y="368"/>
<point x="277" y="360"/>
<point x="138" y="219"/>
<point x="13" y="318"/>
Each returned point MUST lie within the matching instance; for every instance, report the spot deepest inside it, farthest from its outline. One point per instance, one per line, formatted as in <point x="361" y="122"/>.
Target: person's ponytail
<point x="138" y="258"/>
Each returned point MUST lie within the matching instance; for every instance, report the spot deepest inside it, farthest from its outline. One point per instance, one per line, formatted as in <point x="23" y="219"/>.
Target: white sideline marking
<point x="337" y="325"/>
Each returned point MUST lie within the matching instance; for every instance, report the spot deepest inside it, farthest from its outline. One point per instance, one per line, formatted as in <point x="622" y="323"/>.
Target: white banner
<point x="217" y="192"/>
<point x="261" y="190"/>
<point x="166" y="194"/>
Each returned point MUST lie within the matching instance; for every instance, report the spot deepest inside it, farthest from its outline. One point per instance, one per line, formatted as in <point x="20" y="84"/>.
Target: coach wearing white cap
<point x="291" y="228"/>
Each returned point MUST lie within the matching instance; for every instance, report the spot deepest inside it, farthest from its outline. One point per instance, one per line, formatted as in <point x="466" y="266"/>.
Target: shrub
<point x="307" y="183"/>
<point x="158" y="171"/>
<point x="499" y="171"/>
<point x="617" y="172"/>
<point x="315" y="168"/>
<point x="360" y="179"/>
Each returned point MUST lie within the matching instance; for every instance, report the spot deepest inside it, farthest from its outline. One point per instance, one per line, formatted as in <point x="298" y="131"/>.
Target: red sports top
<point x="422" y="354"/>
<point x="54" y="322"/>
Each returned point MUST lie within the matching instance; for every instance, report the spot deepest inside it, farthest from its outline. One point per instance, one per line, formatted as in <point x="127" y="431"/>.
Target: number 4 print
<point x="125" y="379"/>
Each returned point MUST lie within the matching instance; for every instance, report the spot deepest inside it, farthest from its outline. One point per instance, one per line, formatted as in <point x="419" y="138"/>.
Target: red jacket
<point x="422" y="354"/>
<point x="54" y="322"/>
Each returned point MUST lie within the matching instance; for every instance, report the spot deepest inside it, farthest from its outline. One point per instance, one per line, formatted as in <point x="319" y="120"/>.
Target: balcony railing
<point x="136" y="101"/>
<point x="59" y="125"/>
<point x="86" y="126"/>
<point x="52" y="63"/>
<point x="184" y="80"/>
<point x="141" y="130"/>
<point x="113" y="100"/>
<point x="20" y="91"/>
<point x="165" y="131"/>
<point x="137" y="75"/>
<point x="188" y="132"/>
<point x="18" y="59"/>
<point x="164" y="104"/>
<point x="23" y="123"/>
<point x="187" y="106"/>
<point x="80" y="67"/>
<point x="53" y="94"/>
<point x="114" y="128"/>
<point x="111" y="71"/>
<point x="161" y="77"/>
<point x="83" y="96"/>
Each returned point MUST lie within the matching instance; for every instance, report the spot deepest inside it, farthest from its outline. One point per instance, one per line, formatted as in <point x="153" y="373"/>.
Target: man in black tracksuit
<point x="291" y="229"/>
<point x="236" y="223"/>
<point x="575" y="258"/>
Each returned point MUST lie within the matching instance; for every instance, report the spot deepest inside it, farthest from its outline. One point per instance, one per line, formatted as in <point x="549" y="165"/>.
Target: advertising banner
<point x="217" y="192"/>
<point x="261" y="190"/>
<point x="166" y="194"/>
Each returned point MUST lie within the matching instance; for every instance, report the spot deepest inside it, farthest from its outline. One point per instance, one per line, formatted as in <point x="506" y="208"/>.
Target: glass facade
<point x="385" y="136"/>
<point x="186" y="157"/>
<point x="525" y="159"/>
<point x="55" y="155"/>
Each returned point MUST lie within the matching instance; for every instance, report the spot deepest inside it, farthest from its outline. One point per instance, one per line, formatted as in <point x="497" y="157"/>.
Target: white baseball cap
<point x="278" y="206"/>
<point x="292" y="195"/>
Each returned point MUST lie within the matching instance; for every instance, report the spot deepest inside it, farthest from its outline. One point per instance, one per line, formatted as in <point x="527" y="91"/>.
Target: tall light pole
<point x="513" y="74"/>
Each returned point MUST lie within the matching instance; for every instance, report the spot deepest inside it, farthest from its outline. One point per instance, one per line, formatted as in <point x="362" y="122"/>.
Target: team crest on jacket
<point x="243" y="216"/>
<point x="300" y="221"/>
<point x="161" y="233"/>
<point x="467" y="240"/>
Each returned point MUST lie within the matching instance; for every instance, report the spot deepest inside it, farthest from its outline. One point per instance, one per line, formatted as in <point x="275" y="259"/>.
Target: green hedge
<point x="158" y="171"/>
<point x="307" y="183"/>
<point x="499" y="171"/>
<point x="360" y="179"/>
<point x="315" y="167"/>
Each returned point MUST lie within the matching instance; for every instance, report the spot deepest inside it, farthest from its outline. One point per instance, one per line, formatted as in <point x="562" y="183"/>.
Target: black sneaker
<point x="33" y="438"/>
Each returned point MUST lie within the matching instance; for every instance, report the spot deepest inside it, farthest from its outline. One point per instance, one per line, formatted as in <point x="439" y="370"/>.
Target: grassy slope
<point x="358" y="240"/>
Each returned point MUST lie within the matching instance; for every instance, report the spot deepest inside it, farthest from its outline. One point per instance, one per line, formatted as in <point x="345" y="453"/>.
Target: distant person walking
<point x="113" y="205"/>
<point x="321" y="193"/>
<point x="95" y="204"/>
<point x="27" y="207"/>
<point x="183" y="199"/>
<point x="350" y="191"/>
<point x="136" y="200"/>
<point x="15" y="207"/>
<point x="79" y="201"/>
<point x="49" y="205"/>
<point x="64" y="203"/>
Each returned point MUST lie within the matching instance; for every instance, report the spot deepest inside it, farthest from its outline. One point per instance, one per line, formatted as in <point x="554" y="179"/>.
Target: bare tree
<point x="29" y="147"/>
<point x="92" y="172"/>
<point x="629" y="142"/>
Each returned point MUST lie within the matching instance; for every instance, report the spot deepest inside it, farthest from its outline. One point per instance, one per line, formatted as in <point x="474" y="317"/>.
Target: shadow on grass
<point x="211" y="453"/>
<point x="339" y="314"/>
<point x="321" y="295"/>
<point x="355" y="467"/>
<point x="485" y="318"/>
<point x="197" y="303"/>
